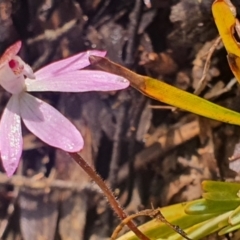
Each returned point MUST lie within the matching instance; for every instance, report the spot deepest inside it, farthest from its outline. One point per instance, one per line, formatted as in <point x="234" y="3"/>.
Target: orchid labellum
<point x="39" y="117"/>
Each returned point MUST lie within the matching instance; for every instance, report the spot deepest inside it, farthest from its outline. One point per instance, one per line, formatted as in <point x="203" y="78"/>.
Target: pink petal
<point x="11" y="136"/>
<point x="69" y="64"/>
<point x="78" y="81"/>
<point x="10" y="53"/>
<point x="49" y="125"/>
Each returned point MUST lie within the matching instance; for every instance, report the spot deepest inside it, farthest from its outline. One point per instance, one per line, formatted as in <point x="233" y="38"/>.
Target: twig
<point x="134" y="20"/>
<point x="51" y="37"/>
<point x="121" y="113"/>
<point x="117" y="139"/>
<point x="227" y="88"/>
<point x="202" y="82"/>
<point x="234" y="158"/>
<point x="54" y="34"/>
<point x="153" y="213"/>
<point x="10" y="211"/>
<point x="132" y="132"/>
<point x="100" y="11"/>
<point x="107" y="192"/>
<point x="11" y="206"/>
<point x="21" y="181"/>
<point x="162" y="107"/>
<point x="102" y="16"/>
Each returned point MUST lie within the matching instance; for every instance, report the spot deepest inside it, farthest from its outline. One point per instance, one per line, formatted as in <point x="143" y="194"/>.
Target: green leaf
<point x="203" y="229"/>
<point x="221" y="191"/>
<point x="222" y="197"/>
<point x="203" y="206"/>
<point x="215" y="186"/>
<point x="234" y="218"/>
<point x="176" y="215"/>
<point x="198" y="218"/>
<point x="228" y="229"/>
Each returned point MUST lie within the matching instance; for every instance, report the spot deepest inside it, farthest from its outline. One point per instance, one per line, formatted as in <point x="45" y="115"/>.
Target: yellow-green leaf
<point x="228" y="229"/>
<point x="234" y="218"/>
<point x="225" y="22"/>
<point x="215" y="186"/>
<point x="175" y="214"/>
<point x="166" y="93"/>
<point x="222" y="197"/>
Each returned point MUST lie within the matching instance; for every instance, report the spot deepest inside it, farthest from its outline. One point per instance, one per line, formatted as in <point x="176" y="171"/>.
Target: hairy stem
<point x="107" y="192"/>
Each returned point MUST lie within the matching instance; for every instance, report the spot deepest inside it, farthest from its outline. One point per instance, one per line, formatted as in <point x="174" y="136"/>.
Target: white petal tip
<point x="121" y="79"/>
<point x="75" y="150"/>
<point x="72" y="147"/>
<point x="73" y="144"/>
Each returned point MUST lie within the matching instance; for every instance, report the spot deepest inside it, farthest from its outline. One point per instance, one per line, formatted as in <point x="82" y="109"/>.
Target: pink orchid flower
<point x="39" y="117"/>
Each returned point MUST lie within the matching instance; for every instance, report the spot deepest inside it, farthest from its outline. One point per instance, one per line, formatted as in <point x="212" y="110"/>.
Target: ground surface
<point x="147" y="153"/>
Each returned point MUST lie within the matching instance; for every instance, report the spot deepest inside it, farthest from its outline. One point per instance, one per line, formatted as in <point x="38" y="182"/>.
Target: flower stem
<point x="108" y="193"/>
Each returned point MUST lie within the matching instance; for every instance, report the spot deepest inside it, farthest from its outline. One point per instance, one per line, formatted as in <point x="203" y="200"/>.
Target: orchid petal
<point x="10" y="53"/>
<point x="73" y="63"/>
<point x="11" y="136"/>
<point x="78" y="81"/>
<point x="49" y="125"/>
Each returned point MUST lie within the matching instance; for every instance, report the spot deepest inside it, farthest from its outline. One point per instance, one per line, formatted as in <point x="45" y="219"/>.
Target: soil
<point x="149" y="153"/>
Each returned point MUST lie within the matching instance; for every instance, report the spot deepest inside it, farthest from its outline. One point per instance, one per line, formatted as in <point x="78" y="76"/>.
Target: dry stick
<point x="117" y="146"/>
<point x="53" y="34"/>
<point x="50" y="36"/>
<point x="213" y="94"/>
<point x="202" y="82"/>
<point x="234" y="158"/>
<point x="11" y="206"/>
<point x="162" y="107"/>
<point x="117" y="139"/>
<point x="44" y="183"/>
<point x="107" y="192"/>
<point x="134" y="21"/>
<point x="153" y="213"/>
<point x="146" y="212"/>
<point x="10" y="210"/>
<point x="136" y="113"/>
